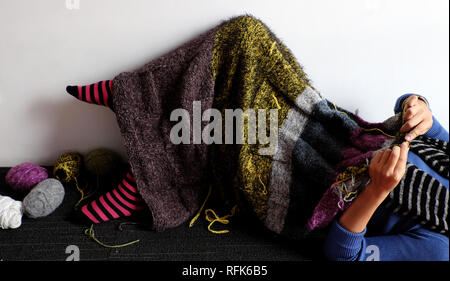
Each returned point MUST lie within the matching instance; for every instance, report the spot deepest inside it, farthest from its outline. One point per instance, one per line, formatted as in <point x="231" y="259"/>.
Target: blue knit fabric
<point x="389" y="236"/>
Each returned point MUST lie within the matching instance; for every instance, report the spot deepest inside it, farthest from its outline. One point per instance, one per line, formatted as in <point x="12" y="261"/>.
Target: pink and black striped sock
<point x="122" y="201"/>
<point x="97" y="93"/>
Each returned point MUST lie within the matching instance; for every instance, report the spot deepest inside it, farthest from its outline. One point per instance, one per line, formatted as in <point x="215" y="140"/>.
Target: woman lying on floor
<point x="317" y="167"/>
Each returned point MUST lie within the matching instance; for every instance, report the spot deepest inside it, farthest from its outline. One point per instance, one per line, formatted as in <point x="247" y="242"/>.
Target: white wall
<point x="361" y="54"/>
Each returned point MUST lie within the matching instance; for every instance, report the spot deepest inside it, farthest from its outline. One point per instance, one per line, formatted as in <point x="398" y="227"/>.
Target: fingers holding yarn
<point x="417" y="117"/>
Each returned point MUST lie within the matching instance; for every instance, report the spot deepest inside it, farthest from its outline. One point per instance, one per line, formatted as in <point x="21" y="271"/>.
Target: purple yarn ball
<point x="25" y="176"/>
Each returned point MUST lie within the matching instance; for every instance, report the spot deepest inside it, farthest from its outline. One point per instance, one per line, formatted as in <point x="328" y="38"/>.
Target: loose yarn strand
<point x="264" y="189"/>
<point x="276" y="101"/>
<point x="335" y="108"/>
<point x="90" y="232"/>
<point x="215" y="218"/>
<point x="364" y="129"/>
<point x="379" y="130"/>
<point x="272" y="47"/>
<point x="81" y="192"/>
<point x="70" y="164"/>
<point x="201" y="208"/>
<point x="84" y="197"/>
<point x="349" y="174"/>
<point x="223" y="220"/>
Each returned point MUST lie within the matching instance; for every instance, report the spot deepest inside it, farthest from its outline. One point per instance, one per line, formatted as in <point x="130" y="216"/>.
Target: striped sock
<point x="122" y="201"/>
<point x="97" y="93"/>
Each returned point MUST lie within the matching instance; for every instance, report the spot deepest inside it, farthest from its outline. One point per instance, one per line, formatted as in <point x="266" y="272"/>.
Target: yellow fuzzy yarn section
<point x="251" y="69"/>
<point x="69" y="164"/>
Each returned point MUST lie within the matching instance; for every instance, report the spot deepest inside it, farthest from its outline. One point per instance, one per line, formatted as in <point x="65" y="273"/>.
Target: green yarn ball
<point x="102" y="162"/>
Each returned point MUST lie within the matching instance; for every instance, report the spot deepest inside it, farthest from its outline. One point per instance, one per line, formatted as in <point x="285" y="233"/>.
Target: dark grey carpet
<point x="48" y="238"/>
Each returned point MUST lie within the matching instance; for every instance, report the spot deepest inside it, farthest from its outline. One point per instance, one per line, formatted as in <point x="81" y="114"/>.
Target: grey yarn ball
<point x="44" y="198"/>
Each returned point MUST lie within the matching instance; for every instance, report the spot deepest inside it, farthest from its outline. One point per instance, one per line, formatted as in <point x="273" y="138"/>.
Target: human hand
<point x="387" y="168"/>
<point x="417" y="117"/>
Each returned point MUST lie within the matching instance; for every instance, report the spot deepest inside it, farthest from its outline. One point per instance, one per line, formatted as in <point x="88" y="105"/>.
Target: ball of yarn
<point x="11" y="212"/>
<point x="102" y="162"/>
<point x="25" y="176"/>
<point x="44" y="198"/>
<point x="67" y="167"/>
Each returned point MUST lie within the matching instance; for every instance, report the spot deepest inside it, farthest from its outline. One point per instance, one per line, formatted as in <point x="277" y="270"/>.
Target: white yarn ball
<point x="11" y="212"/>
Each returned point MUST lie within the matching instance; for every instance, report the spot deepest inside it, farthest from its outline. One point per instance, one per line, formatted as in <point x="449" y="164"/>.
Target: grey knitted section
<point x="44" y="198"/>
<point x="281" y="175"/>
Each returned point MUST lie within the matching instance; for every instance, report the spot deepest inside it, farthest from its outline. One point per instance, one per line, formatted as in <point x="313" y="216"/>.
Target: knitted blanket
<point x="239" y="64"/>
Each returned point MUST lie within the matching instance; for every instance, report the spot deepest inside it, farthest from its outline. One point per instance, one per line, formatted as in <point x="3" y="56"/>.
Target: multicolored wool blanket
<point x="241" y="64"/>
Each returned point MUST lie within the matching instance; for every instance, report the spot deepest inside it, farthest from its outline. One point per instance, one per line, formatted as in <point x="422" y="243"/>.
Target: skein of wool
<point x="11" y="212"/>
<point x="44" y="198"/>
<point x="103" y="169"/>
<point x="102" y="162"/>
<point x="24" y="177"/>
<point x="67" y="169"/>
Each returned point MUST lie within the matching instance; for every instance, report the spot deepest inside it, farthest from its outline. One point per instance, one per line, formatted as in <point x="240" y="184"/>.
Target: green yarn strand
<point x="90" y="232"/>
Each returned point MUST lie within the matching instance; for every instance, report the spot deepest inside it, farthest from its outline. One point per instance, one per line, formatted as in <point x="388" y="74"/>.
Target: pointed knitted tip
<point x="98" y="93"/>
<point x="73" y="90"/>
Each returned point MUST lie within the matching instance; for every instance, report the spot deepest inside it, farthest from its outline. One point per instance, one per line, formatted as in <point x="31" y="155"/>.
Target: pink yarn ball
<point x="25" y="176"/>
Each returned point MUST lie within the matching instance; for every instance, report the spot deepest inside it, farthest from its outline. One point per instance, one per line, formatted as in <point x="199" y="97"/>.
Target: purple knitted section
<point x="364" y="144"/>
<point x="368" y="125"/>
<point x="25" y="176"/>
<point x="326" y="210"/>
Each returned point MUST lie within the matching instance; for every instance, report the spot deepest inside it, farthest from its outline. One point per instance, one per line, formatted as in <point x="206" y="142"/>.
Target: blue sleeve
<point x="344" y="245"/>
<point x="436" y="131"/>
<point x="416" y="244"/>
